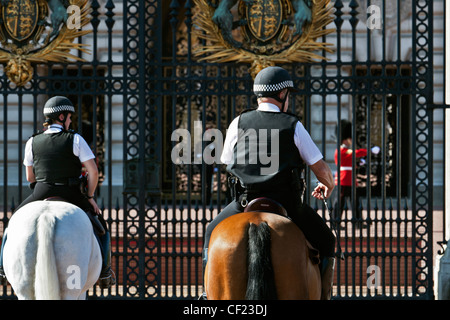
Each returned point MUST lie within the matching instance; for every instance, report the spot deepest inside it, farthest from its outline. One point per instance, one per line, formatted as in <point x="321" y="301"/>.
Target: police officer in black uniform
<point x="295" y="148"/>
<point x="53" y="161"/>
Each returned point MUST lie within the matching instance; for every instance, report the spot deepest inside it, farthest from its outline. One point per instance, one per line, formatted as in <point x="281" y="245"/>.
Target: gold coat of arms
<point x="29" y="34"/>
<point x="262" y="32"/>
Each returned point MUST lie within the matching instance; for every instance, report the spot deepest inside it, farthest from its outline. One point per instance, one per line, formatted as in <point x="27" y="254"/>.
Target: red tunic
<point x="346" y="163"/>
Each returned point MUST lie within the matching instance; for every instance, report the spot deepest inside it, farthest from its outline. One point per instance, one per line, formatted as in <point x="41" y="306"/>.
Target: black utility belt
<point x="55" y="183"/>
<point x="242" y="195"/>
<point x="71" y="182"/>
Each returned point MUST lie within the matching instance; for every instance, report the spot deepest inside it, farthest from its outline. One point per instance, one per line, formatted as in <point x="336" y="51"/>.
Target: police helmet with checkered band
<point x="56" y="106"/>
<point x="271" y="80"/>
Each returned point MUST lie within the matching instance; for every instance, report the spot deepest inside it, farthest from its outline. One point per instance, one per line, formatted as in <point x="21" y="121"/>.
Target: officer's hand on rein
<point x="317" y="192"/>
<point x="95" y="206"/>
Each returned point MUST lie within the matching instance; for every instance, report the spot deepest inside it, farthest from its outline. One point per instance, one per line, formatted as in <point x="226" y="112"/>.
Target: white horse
<point x="51" y="252"/>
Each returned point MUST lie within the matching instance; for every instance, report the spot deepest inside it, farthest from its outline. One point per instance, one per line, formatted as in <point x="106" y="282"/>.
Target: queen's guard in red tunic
<point x="345" y="168"/>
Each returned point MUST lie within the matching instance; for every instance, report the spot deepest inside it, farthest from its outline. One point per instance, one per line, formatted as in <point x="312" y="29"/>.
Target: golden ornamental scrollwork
<point x="29" y="35"/>
<point x="262" y="32"/>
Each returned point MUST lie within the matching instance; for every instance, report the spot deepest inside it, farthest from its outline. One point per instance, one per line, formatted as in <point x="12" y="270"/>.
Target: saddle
<point x="264" y="204"/>
<point x="55" y="198"/>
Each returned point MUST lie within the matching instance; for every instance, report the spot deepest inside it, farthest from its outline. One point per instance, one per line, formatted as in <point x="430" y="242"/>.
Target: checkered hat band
<point x="57" y="109"/>
<point x="273" y="87"/>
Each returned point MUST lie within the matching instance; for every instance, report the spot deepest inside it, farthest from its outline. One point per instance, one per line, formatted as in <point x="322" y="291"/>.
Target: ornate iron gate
<point x="142" y="82"/>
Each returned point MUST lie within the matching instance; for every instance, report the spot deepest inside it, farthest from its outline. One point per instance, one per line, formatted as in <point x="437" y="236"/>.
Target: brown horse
<point x="260" y="255"/>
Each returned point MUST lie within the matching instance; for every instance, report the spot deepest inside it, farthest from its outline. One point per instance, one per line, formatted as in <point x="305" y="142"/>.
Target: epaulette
<point x="247" y="110"/>
<point x="37" y="133"/>
<point x="292" y="114"/>
<point x="287" y="112"/>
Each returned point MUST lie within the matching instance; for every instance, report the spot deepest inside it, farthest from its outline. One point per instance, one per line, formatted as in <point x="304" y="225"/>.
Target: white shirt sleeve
<point x="306" y="146"/>
<point x="230" y="141"/>
<point x="28" y="158"/>
<point x="81" y="149"/>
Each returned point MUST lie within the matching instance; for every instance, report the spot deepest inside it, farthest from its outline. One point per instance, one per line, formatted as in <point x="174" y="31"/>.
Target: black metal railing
<point x="142" y="82"/>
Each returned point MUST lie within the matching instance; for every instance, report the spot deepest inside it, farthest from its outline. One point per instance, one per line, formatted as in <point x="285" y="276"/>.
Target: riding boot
<point x="107" y="277"/>
<point x="3" y="280"/>
<point x="204" y="261"/>
<point x="327" y="273"/>
<point x="96" y="224"/>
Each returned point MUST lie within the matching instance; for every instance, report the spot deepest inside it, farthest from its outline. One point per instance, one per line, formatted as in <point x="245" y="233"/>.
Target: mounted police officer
<point x="53" y="161"/>
<point x="280" y="182"/>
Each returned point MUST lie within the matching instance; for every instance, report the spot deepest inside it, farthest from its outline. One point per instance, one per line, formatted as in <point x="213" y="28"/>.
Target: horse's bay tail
<point x="261" y="281"/>
<point x="46" y="281"/>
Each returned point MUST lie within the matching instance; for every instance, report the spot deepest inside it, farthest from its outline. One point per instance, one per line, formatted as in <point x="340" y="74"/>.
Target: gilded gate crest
<point x="29" y="35"/>
<point x="20" y="18"/>
<point x="264" y="19"/>
<point x="262" y="32"/>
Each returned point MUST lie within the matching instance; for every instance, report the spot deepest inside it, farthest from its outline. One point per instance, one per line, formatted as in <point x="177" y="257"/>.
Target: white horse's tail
<point x="46" y="276"/>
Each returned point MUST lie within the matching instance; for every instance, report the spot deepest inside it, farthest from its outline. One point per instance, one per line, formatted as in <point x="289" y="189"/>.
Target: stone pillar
<point x="443" y="263"/>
